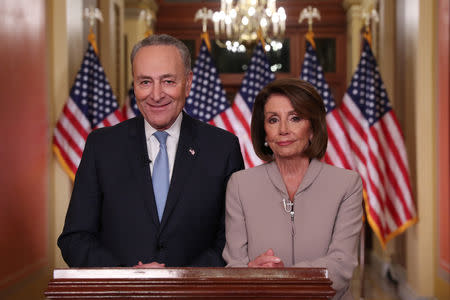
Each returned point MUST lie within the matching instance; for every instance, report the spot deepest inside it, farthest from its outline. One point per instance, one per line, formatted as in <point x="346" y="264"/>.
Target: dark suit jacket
<point x="112" y="218"/>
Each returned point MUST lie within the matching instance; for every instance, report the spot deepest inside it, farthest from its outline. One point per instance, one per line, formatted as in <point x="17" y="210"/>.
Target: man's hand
<point x="266" y="260"/>
<point x="152" y="265"/>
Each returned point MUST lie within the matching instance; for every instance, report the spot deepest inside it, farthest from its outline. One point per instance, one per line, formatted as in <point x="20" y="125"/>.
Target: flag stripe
<point x="392" y="132"/>
<point x="65" y="158"/>
<point x="396" y="176"/>
<point x="255" y="160"/>
<point x="336" y="150"/>
<point x="71" y="114"/>
<point x="226" y="122"/>
<point x="239" y="108"/>
<point x="77" y="117"/>
<point x="331" y="157"/>
<point x="247" y="158"/>
<point x="130" y="108"/>
<point x="334" y="120"/>
<point x="256" y="77"/>
<point x="72" y="159"/>
<point x="378" y="175"/>
<point x="71" y="131"/>
<point x="75" y="146"/>
<point x="356" y="132"/>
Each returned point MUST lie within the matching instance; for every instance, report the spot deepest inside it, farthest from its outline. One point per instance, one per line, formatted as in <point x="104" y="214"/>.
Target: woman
<point x="293" y="211"/>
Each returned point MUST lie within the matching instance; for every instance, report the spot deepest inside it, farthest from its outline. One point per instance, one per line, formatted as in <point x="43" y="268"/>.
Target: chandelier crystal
<point x="237" y="24"/>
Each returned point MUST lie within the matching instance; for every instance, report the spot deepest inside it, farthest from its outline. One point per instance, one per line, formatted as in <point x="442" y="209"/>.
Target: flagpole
<point x="92" y="39"/>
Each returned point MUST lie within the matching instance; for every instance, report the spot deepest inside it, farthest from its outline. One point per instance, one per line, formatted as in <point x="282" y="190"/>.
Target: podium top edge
<point x="193" y="273"/>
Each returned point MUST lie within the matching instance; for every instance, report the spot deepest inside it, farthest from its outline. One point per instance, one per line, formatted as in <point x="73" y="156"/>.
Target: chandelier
<point x="242" y="23"/>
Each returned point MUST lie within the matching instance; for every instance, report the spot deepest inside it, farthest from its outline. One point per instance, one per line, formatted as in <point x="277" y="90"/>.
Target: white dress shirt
<point x="172" y="143"/>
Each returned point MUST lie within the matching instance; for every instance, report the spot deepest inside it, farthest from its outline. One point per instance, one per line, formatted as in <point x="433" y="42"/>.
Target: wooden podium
<point x="190" y="283"/>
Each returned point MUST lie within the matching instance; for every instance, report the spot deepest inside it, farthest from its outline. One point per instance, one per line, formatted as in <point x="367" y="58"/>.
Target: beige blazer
<point x="323" y="232"/>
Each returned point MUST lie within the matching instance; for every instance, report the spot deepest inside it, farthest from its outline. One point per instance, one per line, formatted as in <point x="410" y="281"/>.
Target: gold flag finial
<point x="148" y="16"/>
<point x="204" y="14"/>
<point x="368" y="16"/>
<point x="93" y="14"/>
<point x="309" y="13"/>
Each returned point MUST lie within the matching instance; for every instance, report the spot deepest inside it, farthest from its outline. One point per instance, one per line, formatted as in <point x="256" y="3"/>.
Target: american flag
<point x="91" y="105"/>
<point x="379" y="151"/>
<point x="130" y="108"/>
<point x="207" y="100"/>
<point x="338" y="150"/>
<point x="238" y="117"/>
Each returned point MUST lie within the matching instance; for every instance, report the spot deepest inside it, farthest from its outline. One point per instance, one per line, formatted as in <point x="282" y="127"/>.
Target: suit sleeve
<point x="79" y="243"/>
<point x="235" y="252"/>
<point x="212" y="257"/>
<point x="341" y="257"/>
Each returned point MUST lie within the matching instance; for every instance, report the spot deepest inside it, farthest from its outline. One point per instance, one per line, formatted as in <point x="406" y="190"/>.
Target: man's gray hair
<point x="164" y="40"/>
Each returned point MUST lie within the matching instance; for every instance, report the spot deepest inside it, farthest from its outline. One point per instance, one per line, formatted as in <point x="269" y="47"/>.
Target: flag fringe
<point x="310" y="38"/>
<point x="148" y="33"/>
<point x="368" y="36"/>
<point x="376" y="228"/>
<point x="92" y="40"/>
<point x="261" y="39"/>
<point x="63" y="163"/>
<point x="402" y="228"/>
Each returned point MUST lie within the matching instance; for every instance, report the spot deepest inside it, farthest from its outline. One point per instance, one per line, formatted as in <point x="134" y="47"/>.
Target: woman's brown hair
<point x="306" y="102"/>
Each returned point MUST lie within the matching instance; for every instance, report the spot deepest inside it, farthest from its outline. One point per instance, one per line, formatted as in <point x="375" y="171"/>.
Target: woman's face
<point x="287" y="134"/>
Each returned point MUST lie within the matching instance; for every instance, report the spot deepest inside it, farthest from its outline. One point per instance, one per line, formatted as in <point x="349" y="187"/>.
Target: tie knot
<point x="161" y="136"/>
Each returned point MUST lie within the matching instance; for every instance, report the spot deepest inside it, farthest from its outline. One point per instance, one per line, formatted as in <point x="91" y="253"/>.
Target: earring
<point x="266" y="144"/>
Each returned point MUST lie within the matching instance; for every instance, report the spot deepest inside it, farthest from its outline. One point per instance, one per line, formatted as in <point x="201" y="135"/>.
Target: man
<point x="122" y="211"/>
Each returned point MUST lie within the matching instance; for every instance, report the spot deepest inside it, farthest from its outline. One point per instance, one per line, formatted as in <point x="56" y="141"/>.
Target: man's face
<point x="161" y="84"/>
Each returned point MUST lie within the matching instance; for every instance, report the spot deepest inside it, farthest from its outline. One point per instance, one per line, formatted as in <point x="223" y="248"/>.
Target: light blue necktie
<point x="160" y="175"/>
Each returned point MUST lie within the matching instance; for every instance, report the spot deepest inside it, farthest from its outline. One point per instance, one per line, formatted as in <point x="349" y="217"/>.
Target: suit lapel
<point x="186" y="154"/>
<point x="139" y="163"/>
